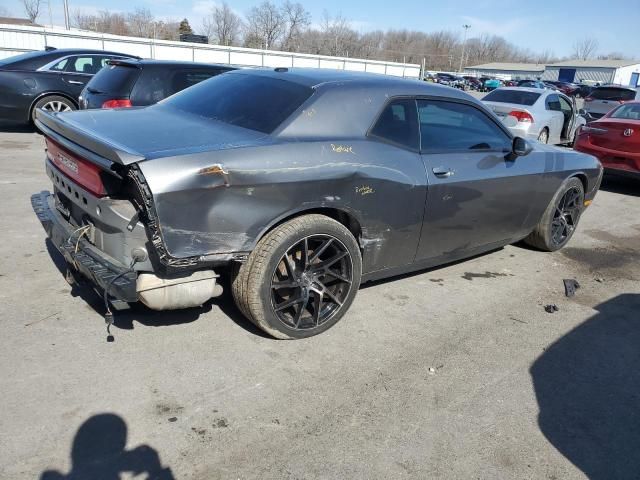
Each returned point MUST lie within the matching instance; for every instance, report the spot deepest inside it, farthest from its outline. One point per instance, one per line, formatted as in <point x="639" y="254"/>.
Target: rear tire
<point x="53" y="104"/>
<point x="291" y="294"/>
<point x="543" y="137"/>
<point x="560" y="219"/>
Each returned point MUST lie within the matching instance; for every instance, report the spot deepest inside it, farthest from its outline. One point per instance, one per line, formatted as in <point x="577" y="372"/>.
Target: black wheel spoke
<point x="337" y="275"/>
<point x="288" y="303"/>
<point x="317" y="308"/>
<point x="320" y="250"/>
<point x="285" y="284"/>
<point x="305" y="253"/>
<point x="333" y="297"/>
<point x="290" y="266"/>
<point x="566" y="215"/>
<point x="325" y="264"/>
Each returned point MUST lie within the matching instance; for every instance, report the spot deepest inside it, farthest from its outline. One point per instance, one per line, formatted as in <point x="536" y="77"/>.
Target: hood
<point x="148" y="132"/>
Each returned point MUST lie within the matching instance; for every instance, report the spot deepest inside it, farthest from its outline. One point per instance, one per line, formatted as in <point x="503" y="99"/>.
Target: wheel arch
<point x="345" y="216"/>
<point x="50" y="94"/>
<point x="583" y="178"/>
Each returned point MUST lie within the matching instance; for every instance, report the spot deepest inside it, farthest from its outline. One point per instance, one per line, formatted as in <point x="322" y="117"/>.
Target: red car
<point x="614" y="139"/>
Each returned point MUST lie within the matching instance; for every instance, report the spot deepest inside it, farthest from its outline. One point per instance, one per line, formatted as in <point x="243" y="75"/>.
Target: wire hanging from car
<point x="108" y="316"/>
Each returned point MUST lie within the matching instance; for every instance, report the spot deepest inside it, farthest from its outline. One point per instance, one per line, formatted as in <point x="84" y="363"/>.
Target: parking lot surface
<point x="455" y="372"/>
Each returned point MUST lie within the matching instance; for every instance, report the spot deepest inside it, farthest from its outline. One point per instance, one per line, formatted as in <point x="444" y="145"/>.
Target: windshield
<point x="512" y="96"/>
<point x="249" y="101"/>
<point x="627" y="112"/>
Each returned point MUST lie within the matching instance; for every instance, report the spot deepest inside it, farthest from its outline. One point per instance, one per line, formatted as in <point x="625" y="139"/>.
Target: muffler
<point x="174" y="293"/>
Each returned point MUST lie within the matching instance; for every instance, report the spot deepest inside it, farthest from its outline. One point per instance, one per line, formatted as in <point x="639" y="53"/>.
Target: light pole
<point x="464" y="42"/>
<point x="66" y="15"/>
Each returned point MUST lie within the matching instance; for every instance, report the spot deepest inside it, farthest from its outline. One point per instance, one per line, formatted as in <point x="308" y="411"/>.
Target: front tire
<point x="560" y="219"/>
<point x="53" y="104"/>
<point x="300" y="279"/>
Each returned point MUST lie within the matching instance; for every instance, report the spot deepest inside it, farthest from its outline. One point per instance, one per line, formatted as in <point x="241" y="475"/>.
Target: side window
<point x="553" y="103"/>
<point x="458" y="126"/>
<point x="565" y="105"/>
<point x="81" y="65"/>
<point x="151" y="87"/>
<point x="186" y="78"/>
<point x="398" y="124"/>
<point x="60" y="66"/>
<point x="102" y="61"/>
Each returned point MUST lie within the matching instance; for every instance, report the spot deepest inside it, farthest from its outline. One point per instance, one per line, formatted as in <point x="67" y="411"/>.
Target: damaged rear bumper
<point x="79" y="253"/>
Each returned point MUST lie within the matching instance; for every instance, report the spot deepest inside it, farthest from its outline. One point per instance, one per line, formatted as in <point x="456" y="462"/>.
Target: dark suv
<point x="51" y="79"/>
<point x="130" y="83"/>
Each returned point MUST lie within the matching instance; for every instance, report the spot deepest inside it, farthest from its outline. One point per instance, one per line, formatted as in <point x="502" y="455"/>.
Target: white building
<point x="507" y="71"/>
<point x="622" y="72"/>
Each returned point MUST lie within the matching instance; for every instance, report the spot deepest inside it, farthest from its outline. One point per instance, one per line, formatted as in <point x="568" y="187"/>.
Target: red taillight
<point x="521" y="116"/>
<point x="117" y="103"/>
<point x="81" y="171"/>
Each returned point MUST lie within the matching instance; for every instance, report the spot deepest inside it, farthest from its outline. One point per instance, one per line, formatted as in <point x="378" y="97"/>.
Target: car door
<point x="478" y="195"/>
<point x="556" y="117"/>
<point x="569" y="112"/>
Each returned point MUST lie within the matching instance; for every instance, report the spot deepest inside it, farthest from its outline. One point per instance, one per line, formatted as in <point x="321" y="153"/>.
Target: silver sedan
<point x="533" y="113"/>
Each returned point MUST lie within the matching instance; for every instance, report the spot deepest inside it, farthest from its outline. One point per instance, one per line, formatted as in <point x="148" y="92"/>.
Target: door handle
<point x="75" y="82"/>
<point x="442" y="172"/>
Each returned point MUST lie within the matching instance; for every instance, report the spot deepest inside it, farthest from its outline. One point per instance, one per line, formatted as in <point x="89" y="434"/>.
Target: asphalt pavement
<point x="454" y="373"/>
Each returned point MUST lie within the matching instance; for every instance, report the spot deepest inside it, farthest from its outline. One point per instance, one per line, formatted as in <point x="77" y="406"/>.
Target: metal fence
<point x="18" y="39"/>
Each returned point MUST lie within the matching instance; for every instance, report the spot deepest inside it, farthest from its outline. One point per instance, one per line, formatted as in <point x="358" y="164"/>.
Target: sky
<point x="539" y="25"/>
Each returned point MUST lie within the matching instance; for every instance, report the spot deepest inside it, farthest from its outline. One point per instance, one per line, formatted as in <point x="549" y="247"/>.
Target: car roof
<point x="146" y="61"/>
<point x="394" y="86"/>
<point x="527" y="89"/>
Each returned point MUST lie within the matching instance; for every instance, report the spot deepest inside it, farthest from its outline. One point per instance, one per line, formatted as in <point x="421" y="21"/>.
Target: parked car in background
<point x="253" y="174"/>
<point x="567" y="88"/>
<point x="614" y="139"/>
<point x="531" y="84"/>
<point x="605" y="98"/>
<point x="491" y="84"/>
<point x="550" y="86"/>
<point x="510" y="83"/>
<point x="51" y="79"/>
<point x="131" y="83"/>
<point x="451" y="80"/>
<point x="583" y="90"/>
<point x="542" y="114"/>
<point x="473" y="82"/>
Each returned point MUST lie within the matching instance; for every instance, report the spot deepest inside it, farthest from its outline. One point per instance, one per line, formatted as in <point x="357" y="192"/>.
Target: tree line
<point x="287" y="26"/>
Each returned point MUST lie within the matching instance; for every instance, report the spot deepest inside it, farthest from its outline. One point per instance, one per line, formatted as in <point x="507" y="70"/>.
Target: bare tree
<point x="265" y="25"/>
<point x="296" y="20"/>
<point x="585" y="48"/>
<point x="141" y="23"/>
<point x="223" y="25"/>
<point x="32" y="8"/>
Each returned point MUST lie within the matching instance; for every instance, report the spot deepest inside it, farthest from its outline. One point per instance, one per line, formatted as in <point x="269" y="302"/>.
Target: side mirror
<point x="521" y="147"/>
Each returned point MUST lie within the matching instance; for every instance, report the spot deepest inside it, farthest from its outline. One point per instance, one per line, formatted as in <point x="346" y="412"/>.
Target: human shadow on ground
<point x="99" y="453"/>
<point x="588" y="389"/>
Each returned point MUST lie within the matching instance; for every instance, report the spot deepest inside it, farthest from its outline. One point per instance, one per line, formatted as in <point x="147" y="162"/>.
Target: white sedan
<point x="533" y="113"/>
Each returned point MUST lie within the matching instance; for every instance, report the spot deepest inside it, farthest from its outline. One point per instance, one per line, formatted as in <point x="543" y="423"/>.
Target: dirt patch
<point x="608" y="262"/>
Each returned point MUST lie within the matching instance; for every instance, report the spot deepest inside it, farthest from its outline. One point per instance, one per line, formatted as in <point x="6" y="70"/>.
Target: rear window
<point x="512" y="96"/>
<point x="609" y="93"/>
<point x="628" y="112"/>
<point x="248" y="101"/>
<point x="114" y="79"/>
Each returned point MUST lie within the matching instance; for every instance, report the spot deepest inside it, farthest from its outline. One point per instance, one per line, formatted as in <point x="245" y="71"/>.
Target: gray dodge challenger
<point x="299" y="185"/>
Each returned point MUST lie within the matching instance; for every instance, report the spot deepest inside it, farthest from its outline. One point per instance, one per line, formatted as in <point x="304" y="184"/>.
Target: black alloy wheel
<point x="311" y="282"/>
<point x="566" y="216"/>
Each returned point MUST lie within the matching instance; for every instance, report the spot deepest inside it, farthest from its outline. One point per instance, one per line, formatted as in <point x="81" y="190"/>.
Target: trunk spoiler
<point x="84" y="142"/>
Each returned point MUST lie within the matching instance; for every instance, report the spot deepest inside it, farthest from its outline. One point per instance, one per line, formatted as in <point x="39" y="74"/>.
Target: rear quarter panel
<point x="381" y="186"/>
